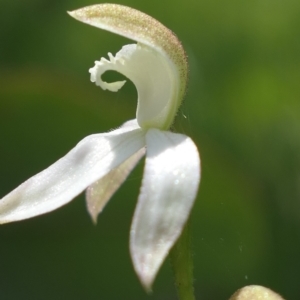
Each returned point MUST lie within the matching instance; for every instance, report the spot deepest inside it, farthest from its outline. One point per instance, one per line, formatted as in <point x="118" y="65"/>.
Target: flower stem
<point x="182" y="265"/>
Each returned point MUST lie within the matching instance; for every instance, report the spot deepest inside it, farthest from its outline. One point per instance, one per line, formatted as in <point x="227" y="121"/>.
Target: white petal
<point x="99" y="193"/>
<point x="169" y="188"/>
<point x="91" y="159"/>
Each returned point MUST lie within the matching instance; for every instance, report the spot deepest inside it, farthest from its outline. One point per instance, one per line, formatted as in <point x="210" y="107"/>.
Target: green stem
<point x="182" y="265"/>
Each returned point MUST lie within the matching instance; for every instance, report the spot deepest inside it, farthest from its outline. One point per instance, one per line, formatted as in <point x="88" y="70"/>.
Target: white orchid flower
<point x="100" y="163"/>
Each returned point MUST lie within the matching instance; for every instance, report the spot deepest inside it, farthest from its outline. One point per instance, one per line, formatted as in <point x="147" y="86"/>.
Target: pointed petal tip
<point x="146" y="265"/>
<point x="147" y="286"/>
<point x="71" y="13"/>
<point x="93" y="212"/>
<point x="94" y="219"/>
<point x="146" y="279"/>
<point x="76" y="15"/>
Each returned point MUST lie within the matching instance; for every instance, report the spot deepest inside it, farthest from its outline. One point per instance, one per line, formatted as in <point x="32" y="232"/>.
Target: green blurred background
<point x="242" y="109"/>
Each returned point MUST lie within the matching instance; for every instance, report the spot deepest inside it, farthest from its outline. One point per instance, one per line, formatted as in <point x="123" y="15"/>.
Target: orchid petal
<point x="99" y="193"/>
<point x="157" y="65"/>
<point x="170" y="183"/>
<point x="92" y="158"/>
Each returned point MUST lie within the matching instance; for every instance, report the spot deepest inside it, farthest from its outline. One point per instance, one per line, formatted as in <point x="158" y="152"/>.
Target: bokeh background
<point x="242" y="109"/>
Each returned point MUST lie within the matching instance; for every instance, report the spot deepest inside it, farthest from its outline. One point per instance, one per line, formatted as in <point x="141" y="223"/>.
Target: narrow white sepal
<point x="92" y="158"/>
<point x="100" y="192"/>
<point x="169" y="187"/>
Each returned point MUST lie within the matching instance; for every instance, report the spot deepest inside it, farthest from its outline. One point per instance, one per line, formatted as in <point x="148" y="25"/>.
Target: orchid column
<point x="100" y="163"/>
